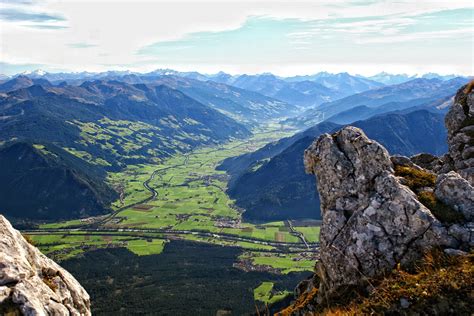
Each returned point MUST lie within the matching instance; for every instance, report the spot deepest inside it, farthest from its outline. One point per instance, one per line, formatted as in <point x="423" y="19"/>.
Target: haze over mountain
<point x="22" y="82"/>
<point x="241" y="104"/>
<point x="303" y="91"/>
<point x="390" y="79"/>
<point x="343" y="82"/>
<point x="363" y="112"/>
<point x="386" y="99"/>
<point x="244" y="105"/>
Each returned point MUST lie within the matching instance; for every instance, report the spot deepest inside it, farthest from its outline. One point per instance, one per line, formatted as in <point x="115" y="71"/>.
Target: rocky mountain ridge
<point x="382" y="212"/>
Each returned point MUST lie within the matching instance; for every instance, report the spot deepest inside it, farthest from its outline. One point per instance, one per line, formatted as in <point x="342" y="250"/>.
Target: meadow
<point x="191" y="196"/>
<point x="191" y="204"/>
<point x="265" y="293"/>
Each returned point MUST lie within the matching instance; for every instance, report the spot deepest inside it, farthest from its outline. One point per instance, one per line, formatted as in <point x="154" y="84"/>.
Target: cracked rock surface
<point x="456" y="192"/>
<point x="371" y="222"/>
<point x="459" y="122"/>
<point x="32" y="284"/>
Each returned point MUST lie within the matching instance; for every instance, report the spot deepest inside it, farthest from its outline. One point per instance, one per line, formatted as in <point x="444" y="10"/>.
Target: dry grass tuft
<point x="300" y="303"/>
<point x="416" y="179"/>
<point x="29" y="239"/>
<point x="49" y="281"/>
<point x="440" y="285"/>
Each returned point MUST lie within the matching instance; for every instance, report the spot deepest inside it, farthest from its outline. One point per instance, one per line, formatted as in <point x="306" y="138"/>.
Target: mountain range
<point x="77" y="126"/>
<point x="119" y="122"/>
<point x="305" y="90"/>
<point x="381" y="77"/>
<point x="417" y="92"/>
<point x="302" y="91"/>
<point x="363" y="112"/>
<point x="246" y="106"/>
<point x="390" y="79"/>
<point x="103" y="125"/>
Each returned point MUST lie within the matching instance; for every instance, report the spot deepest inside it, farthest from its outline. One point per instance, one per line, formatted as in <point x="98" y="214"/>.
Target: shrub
<point x="300" y="303"/>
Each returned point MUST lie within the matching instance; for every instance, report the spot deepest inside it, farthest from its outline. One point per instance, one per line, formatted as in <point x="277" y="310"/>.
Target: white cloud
<point x="419" y="36"/>
<point x="110" y="32"/>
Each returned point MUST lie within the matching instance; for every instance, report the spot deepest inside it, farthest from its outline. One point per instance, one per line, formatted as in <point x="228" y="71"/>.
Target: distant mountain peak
<point x="37" y="72"/>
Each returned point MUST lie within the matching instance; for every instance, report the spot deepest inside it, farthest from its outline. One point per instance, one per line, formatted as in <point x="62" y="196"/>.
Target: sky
<point x="283" y="37"/>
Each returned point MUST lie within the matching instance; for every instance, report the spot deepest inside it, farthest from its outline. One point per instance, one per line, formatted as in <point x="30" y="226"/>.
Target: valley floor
<point x="183" y="198"/>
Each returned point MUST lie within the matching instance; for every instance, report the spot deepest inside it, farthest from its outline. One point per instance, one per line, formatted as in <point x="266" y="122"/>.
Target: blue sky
<point x="286" y="38"/>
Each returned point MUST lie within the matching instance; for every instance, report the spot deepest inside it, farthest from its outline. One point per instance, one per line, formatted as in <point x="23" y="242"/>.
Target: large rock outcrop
<point x="460" y="124"/>
<point x="371" y="222"/>
<point x="380" y="211"/>
<point x="32" y="284"/>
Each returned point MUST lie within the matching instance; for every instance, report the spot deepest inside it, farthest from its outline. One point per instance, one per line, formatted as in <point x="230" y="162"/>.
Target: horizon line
<point x="144" y="72"/>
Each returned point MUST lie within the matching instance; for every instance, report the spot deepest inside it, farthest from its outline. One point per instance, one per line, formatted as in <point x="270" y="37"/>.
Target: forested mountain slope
<point x="48" y="183"/>
<point x="113" y="123"/>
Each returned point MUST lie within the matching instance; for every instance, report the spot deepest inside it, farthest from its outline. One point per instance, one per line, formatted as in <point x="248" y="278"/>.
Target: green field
<point x="143" y="247"/>
<point x="311" y="233"/>
<point x="190" y="197"/>
<point x="64" y="246"/>
<point x="216" y="241"/>
<point x="266" y="294"/>
<point x="284" y="262"/>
